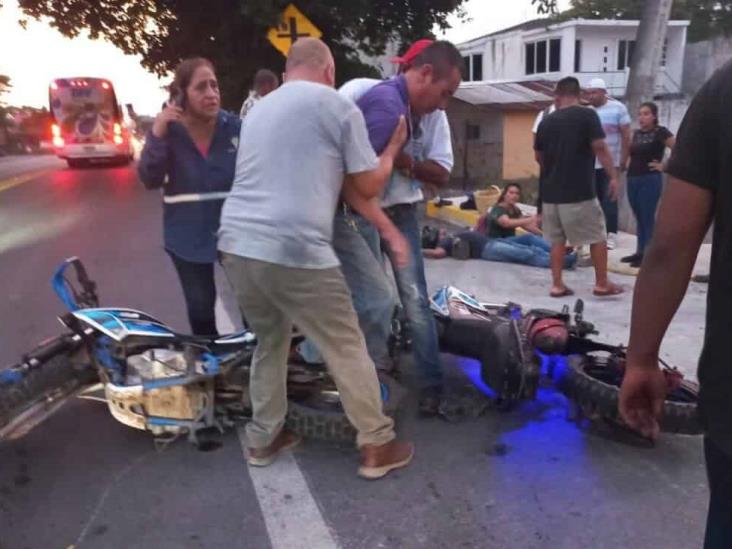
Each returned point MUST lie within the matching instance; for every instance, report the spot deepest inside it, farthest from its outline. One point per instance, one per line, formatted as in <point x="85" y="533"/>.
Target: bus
<point x="88" y="123"/>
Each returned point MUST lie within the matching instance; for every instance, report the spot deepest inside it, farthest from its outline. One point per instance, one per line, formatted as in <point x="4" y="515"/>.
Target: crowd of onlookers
<point x="303" y="195"/>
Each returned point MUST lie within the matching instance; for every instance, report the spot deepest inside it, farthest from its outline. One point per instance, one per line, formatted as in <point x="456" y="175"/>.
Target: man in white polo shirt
<point x="615" y="122"/>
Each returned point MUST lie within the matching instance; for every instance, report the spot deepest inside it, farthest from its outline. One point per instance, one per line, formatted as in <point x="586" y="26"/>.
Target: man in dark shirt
<point x="698" y="192"/>
<point x="567" y="142"/>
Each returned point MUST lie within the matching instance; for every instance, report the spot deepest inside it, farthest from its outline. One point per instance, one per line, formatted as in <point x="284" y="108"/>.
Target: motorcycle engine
<point x="155" y="364"/>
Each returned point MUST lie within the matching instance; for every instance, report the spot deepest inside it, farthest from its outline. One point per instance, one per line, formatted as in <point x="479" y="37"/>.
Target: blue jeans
<point x="644" y="192"/>
<point x="356" y="242"/>
<point x="527" y="249"/>
<point x="412" y="288"/>
<point x="199" y="291"/>
<point x="609" y="207"/>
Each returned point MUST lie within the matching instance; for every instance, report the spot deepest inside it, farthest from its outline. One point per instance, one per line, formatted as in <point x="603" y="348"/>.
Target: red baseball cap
<point x="414" y="50"/>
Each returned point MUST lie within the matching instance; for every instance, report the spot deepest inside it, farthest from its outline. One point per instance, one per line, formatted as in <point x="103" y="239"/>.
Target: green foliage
<point x="232" y="33"/>
<point x="708" y="17"/>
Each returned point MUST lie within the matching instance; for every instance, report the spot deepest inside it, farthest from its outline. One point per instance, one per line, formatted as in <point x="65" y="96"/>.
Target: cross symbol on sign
<point x="293" y="25"/>
<point x="292" y="34"/>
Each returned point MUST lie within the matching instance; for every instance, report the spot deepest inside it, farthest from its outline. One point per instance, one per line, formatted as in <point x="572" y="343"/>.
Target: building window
<point x="555" y="47"/>
<point x="530" y="58"/>
<point x="577" y="55"/>
<point x="543" y="56"/>
<point x="473" y="131"/>
<point x="466" y="68"/>
<point x="477" y="67"/>
<point x="625" y="53"/>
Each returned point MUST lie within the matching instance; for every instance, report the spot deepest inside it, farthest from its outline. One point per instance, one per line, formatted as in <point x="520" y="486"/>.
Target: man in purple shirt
<point x="424" y="87"/>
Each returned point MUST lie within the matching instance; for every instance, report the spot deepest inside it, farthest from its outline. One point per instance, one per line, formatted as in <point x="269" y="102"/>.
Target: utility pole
<point x="646" y="60"/>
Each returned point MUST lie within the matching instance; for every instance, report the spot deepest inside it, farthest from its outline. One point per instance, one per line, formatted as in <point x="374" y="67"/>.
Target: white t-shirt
<point x="431" y="141"/>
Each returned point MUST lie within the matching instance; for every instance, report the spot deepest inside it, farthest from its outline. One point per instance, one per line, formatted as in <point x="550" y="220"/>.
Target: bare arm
<point x="625" y="139"/>
<point x="600" y="148"/>
<point x="427" y="171"/>
<point x="508" y="223"/>
<point x="371" y="183"/>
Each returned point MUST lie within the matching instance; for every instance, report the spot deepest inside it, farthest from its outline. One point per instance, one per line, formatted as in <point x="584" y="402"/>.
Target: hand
<point x="613" y="189"/>
<point x="538" y="219"/>
<point x="398" y="248"/>
<point x="642" y="395"/>
<point x="655" y="166"/>
<point x="171" y="112"/>
<point x="398" y="138"/>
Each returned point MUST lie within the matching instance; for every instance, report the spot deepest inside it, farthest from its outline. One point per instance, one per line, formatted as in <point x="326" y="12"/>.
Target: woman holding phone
<point x="190" y="152"/>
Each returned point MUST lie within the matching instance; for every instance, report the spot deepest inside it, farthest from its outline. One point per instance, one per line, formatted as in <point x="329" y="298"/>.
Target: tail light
<point x="118" y="138"/>
<point x="58" y="141"/>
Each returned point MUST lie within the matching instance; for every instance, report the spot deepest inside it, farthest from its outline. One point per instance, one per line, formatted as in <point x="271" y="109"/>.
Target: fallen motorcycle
<point x="171" y="384"/>
<point x="513" y="346"/>
<point x="155" y="379"/>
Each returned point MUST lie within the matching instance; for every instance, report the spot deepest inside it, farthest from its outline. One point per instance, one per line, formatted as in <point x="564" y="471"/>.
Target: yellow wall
<point x="518" y="145"/>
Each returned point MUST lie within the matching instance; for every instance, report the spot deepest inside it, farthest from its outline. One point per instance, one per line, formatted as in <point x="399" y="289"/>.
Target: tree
<point x="232" y="33"/>
<point x="5" y="85"/>
<point x="707" y="18"/>
<point x="649" y="43"/>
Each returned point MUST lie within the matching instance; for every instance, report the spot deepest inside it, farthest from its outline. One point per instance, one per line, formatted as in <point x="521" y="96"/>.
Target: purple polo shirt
<point x="382" y="106"/>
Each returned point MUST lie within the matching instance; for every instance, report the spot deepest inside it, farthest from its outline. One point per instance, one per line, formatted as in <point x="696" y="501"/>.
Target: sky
<point x="40" y="53"/>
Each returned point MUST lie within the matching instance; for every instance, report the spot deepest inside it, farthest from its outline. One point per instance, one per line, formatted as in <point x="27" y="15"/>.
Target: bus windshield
<point x="84" y="109"/>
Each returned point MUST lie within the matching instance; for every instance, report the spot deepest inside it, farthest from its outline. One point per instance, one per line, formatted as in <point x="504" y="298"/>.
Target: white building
<point x="584" y="48"/>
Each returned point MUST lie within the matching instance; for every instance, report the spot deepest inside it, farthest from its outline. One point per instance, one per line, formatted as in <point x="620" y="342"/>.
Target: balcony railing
<point x="617" y="81"/>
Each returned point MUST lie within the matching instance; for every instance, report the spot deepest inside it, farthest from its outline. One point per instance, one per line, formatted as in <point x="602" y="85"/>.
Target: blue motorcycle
<point x="155" y="379"/>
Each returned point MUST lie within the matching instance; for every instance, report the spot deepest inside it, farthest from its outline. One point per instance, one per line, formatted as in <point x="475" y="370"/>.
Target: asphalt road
<point x="522" y="479"/>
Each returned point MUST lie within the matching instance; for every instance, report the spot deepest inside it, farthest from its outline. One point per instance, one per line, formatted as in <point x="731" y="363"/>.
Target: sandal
<point x="610" y="290"/>
<point x="567" y="291"/>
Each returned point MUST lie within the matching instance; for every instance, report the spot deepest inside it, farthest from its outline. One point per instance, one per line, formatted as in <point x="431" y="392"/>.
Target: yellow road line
<point x="16" y="180"/>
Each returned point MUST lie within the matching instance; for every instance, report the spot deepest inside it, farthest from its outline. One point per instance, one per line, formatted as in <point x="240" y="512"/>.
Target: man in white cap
<point x="615" y="122"/>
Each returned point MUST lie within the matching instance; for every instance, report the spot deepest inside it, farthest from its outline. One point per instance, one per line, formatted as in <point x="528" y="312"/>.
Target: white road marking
<point x="290" y="512"/>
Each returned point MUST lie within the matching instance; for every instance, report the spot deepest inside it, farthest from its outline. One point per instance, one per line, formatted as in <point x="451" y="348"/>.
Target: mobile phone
<point x="177" y="97"/>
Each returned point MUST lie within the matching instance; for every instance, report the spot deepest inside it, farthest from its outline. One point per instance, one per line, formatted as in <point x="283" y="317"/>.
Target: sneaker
<point x="429" y="401"/>
<point x="460" y="249"/>
<point x="630" y="258"/>
<point x="612" y="241"/>
<point x="378" y="461"/>
<point x="262" y="457"/>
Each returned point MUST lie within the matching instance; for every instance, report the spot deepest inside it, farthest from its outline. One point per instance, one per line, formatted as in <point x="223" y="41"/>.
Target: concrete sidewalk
<point x="529" y="286"/>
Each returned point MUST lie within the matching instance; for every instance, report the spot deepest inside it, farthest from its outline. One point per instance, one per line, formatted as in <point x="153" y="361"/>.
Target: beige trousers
<point x="319" y="303"/>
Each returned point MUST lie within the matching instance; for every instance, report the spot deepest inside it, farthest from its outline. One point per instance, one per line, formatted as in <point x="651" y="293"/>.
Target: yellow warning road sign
<point x="293" y="25"/>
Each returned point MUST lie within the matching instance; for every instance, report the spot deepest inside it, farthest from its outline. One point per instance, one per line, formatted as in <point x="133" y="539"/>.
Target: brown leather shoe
<point x="377" y="461"/>
<point x="261" y="457"/>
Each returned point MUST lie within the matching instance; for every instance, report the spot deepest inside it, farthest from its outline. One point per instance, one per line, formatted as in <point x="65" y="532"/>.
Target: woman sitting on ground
<point x="495" y="239"/>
